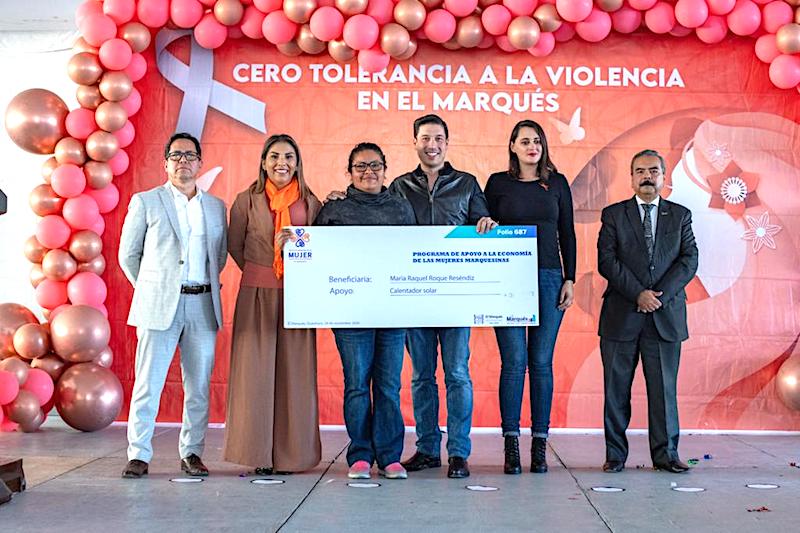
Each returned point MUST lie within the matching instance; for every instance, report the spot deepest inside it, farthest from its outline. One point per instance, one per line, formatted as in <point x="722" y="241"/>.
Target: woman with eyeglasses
<point x="272" y="420"/>
<point x="533" y="192"/>
<point x="371" y="358"/>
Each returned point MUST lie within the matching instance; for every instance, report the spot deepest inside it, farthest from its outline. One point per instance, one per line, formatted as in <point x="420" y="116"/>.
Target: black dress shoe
<point x="135" y="469"/>
<point x="458" y="468"/>
<point x="264" y="471"/>
<point x="675" y="467"/>
<point x="613" y="466"/>
<point x="193" y="466"/>
<point x="538" y="455"/>
<point x="420" y="461"/>
<point x="511" y="464"/>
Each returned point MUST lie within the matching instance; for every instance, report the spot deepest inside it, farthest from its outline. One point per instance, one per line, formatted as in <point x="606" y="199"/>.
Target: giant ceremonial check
<point x="410" y="276"/>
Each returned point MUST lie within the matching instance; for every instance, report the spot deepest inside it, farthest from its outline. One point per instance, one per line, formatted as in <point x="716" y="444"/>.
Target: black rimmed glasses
<point x="375" y="166"/>
<point x="189" y="156"/>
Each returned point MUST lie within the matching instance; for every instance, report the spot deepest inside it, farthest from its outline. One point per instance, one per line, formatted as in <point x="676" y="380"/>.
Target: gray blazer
<point x="150" y="255"/>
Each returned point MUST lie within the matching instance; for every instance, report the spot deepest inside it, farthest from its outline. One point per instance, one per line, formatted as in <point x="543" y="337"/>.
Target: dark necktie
<point x="648" y="230"/>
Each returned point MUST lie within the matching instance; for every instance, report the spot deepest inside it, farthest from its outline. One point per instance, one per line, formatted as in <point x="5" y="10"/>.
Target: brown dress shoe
<point x="193" y="466"/>
<point x="135" y="469"/>
<point x="614" y="467"/>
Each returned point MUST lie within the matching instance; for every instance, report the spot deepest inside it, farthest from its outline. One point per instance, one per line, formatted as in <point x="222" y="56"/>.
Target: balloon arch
<point x="65" y="362"/>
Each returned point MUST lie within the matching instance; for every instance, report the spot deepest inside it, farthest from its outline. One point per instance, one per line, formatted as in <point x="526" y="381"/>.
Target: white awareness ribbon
<point x="200" y="91"/>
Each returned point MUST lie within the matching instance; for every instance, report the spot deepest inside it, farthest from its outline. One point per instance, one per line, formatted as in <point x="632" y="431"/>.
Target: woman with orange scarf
<point x="273" y="419"/>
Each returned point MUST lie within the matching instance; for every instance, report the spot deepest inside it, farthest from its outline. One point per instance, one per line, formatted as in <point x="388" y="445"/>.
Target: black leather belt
<point x="195" y="289"/>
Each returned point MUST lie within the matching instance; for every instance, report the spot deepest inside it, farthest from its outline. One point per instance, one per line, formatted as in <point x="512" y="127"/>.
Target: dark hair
<point x="431" y="119"/>
<point x="261" y="182"/>
<point x="363" y="147"/>
<point x="647" y="153"/>
<point x="545" y="166"/>
<point x="182" y="135"/>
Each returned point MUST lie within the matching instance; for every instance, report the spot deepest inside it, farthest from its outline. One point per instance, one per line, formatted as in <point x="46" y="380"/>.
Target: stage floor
<point x="74" y="484"/>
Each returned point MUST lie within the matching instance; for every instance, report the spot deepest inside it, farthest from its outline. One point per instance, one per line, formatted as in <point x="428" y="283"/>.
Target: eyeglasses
<point x="189" y="156"/>
<point x="375" y="166"/>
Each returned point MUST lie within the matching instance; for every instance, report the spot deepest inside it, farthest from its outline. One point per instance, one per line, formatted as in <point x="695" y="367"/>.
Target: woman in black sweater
<point x="532" y="192"/>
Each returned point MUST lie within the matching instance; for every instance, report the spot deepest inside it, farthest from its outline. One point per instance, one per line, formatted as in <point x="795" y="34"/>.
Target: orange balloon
<point x="394" y="39"/>
<point x="12" y="316"/>
<point x="88" y="396"/>
<point x="98" y="174"/>
<point x="340" y="51"/>
<point x="36" y="276"/>
<point x="788" y="38"/>
<point x="89" y="96"/>
<point x="16" y="366"/>
<point x="289" y="49"/>
<point x="43" y="201"/>
<point x="31" y="341"/>
<point x="35" y="120"/>
<point x="410" y="14"/>
<point x="352" y="7"/>
<point x="308" y="43"/>
<point x="523" y="32"/>
<point x="84" y="68"/>
<point x="110" y="116"/>
<point x="137" y="35"/>
<point x="48" y="167"/>
<point x="52" y="364"/>
<point x="115" y="86"/>
<point x="299" y="11"/>
<point x="547" y="17"/>
<point x="34" y="252"/>
<point x="469" y="31"/>
<point x="59" y="265"/>
<point x="228" y="12"/>
<point x="101" y="145"/>
<point x="70" y="151"/>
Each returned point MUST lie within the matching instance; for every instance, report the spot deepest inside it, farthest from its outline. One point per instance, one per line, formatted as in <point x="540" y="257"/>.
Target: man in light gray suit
<point x="172" y="249"/>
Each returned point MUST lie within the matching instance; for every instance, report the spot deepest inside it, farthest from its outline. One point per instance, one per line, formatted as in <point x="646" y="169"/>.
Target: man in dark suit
<point x="647" y="252"/>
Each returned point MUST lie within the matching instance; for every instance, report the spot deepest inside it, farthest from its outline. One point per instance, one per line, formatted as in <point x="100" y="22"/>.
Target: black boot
<point x="538" y="459"/>
<point x="511" y="452"/>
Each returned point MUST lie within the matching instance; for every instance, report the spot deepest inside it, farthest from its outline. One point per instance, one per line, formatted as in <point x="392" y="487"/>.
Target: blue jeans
<point x="423" y="346"/>
<point x="375" y="426"/>
<point x="535" y="352"/>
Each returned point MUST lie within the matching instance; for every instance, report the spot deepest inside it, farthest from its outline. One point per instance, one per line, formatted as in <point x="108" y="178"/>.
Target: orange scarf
<point x="279" y="202"/>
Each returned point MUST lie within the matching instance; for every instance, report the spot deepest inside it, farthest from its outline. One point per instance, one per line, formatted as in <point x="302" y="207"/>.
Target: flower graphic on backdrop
<point x="733" y="190"/>
<point x="760" y="232"/>
<point x="718" y="155"/>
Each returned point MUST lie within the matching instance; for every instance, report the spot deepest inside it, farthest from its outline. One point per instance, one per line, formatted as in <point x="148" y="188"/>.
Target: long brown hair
<point x="260" y="184"/>
<point x="545" y="166"/>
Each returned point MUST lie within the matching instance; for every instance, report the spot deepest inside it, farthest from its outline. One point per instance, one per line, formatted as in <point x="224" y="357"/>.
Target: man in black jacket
<point x="647" y="252"/>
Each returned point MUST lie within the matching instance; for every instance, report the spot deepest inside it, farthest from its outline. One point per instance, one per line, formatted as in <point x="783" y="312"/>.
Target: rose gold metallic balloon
<point x="34" y="252"/>
<point x="35" y="120"/>
<point x="289" y="49"/>
<point x="31" y="426"/>
<point x="101" y="145"/>
<point x="48" y="167"/>
<point x="229" y="12"/>
<point x="31" y="341"/>
<point x="79" y="329"/>
<point x="82" y="46"/>
<point x="412" y="49"/>
<point x="797" y="15"/>
<point x="36" y="276"/>
<point x="115" y="86"/>
<point x="523" y="32"/>
<point x="88" y="396"/>
<point x="410" y="14"/>
<point x="70" y="151"/>
<point x="85" y="245"/>
<point x="44" y="201"/>
<point x="788" y="38"/>
<point x="452" y="44"/>
<point x="98" y="174"/>
<point x="300" y="11"/>
<point x="89" y="96"/>
<point x="547" y="17"/>
<point x="787" y="382"/>
<point x="308" y="43"/>
<point x="52" y="364"/>
<point x="486" y="3"/>
<point x="135" y="34"/>
<point x="104" y="358"/>
<point x="431" y="4"/>
<point x="59" y="265"/>
<point x="609" y="5"/>
<point x="110" y="116"/>
<point x="24" y="408"/>
<point x="352" y="7"/>
<point x="340" y="51"/>
<point x="95" y="266"/>
<point x="84" y="68"/>
<point x="469" y="31"/>
<point x="12" y="316"/>
<point x="16" y="366"/>
<point x="794" y="3"/>
<point x="394" y="39"/>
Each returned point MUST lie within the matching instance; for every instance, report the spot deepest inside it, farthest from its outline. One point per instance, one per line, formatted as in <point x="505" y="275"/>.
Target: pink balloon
<point x="720" y="7"/>
<point x="7" y="426"/>
<point x="517" y="7"/>
<point x="80" y="123"/>
<point x="86" y="288"/>
<point x="9" y="387"/>
<point x="691" y="13"/>
<point x="52" y="231"/>
<point x="361" y="32"/>
<point x="776" y="14"/>
<point x="713" y="30"/>
<point x="681" y="31"/>
<point x="462" y="8"/>
<point x="137" y="67"/>
<point x="544" y="46"/>
<point x="153" y="13"/>
<point x="626" y="20"/>
<point x="745" y="18"/>
<point x="767" y="48"/>
<point x="186" y="13"/>
<point x="210" y="33"/>
<point x="89" y="7"/>
<point x="642" y="5"/>
<point x="132" y="103"/>
<point x="595" y="27"/>
<point x="440" y="26"/>
<point x="784" y="71"/>
<point x="660" y="18"/>
<point x="97" y="28"/>
<point x="106" y="198"/>
<point x="268" y="6"/>
<point x="277" y="28"/>
<point x="326" y="23"/>
<point x="67" y="181"/>
<point x="81" y="212"/>
<point x="495" y="19"/>
<point x="574" y="10"/>
<point x="125" y="135"/>
<point x="564" y="33"/>
<point x="251" y="22"/>
<point x="40" y="384"/>
<point x="99" y="226"/>
<point x="119" y="163"/>
<point x="120" y="11"/>
<point x="115" y="54"/>
<point x="504" y="44"/>
<point x="380" y="10"/>
<point x="486" y="42"/>
<point x="373" y="60"/>
<point x="50" y="294"/>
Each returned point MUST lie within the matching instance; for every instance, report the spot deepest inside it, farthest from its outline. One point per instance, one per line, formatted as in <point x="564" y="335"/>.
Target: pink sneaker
<point x="394" y="471"/>
<point x="359" y="470"/>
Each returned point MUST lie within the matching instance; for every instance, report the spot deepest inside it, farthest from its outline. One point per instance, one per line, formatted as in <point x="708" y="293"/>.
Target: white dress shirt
<point x="653" y="212"/>
<point x="194" y="252"/>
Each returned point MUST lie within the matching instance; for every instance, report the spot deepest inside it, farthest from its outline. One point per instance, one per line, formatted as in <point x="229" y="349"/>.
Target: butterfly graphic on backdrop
<point x="206" y="179"/>
<point x="569" y="133"/>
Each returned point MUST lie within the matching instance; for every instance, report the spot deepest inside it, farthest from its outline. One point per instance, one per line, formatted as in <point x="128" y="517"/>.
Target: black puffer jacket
<point x="364" y="209"/>
<point x="456" y="199"/>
